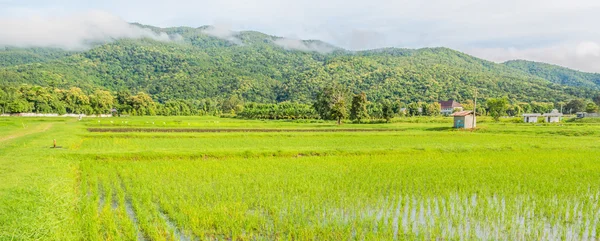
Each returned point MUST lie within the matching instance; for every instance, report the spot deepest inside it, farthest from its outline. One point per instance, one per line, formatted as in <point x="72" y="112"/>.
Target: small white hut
<point x="531" y="118"/>
<point x="553" y="116"/>
<point x="464" y="119"/>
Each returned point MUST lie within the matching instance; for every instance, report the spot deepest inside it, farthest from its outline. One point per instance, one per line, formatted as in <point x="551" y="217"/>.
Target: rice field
<point x="159" y="178"/>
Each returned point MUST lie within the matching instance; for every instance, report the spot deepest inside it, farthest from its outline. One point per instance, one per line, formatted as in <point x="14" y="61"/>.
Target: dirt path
<point x="28" y="131"/>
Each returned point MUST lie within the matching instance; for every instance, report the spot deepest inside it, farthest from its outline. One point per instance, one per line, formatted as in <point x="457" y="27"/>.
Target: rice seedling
<point x="413" y="181"/>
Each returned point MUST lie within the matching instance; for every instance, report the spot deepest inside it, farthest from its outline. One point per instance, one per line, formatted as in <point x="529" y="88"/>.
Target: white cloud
<point x="296" y="44"/>
<point x="587" y="49"/>
<point x="73" y="32"/>
<point x="583" y="56"/>
<point x="520" y="26"/>
<point x="223" y="31"/>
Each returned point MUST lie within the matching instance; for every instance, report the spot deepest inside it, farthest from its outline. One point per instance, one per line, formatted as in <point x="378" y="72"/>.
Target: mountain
<point x="208" y="64"/>
<point x="17" y="56"/>
<point x="557" y="74"/>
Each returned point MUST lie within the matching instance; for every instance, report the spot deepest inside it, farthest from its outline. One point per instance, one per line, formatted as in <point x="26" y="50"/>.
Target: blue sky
<point x="555" y="31"/>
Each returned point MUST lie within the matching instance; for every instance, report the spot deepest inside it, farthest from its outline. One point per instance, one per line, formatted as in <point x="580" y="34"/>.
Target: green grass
<point x="423" y="181"/>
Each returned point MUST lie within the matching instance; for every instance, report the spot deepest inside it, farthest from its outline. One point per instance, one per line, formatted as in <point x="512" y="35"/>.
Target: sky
<point x="560" y="32"/>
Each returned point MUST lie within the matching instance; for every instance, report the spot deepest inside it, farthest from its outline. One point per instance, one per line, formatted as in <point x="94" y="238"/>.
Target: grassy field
<point x="418" y="180"/>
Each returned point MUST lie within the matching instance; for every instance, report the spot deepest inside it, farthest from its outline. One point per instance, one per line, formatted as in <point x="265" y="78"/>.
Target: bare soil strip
<point x="234" y="130"/>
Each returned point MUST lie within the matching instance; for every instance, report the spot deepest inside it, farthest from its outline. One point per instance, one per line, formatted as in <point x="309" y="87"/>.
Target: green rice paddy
<point x="418" y="180"/>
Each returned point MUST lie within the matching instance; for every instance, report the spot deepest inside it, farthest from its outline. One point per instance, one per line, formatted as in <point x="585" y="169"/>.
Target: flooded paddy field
<point x="421" y="181"/>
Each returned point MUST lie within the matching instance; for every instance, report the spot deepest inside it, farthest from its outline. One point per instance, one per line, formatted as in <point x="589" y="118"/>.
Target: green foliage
<point x="497" y="107"/>
<point x="204" y="67"/>
<point x="414" y="109"/>
<point x="284" y="110"/>
<point x="388" y="110"/>
<point x="596" y="100"/>
<point x="232" y="104"/>
<point x="431" y="109"/>
<point x="591" y="108"/>
<point x="576" y="105"/>
<point x="102" y="101"/>
<point x="331" y="103"/>
<point x="10" y="56"/>
<point x="557" y="74"/>
<point x="339" y="110"/>
<point x="359" y="111"/>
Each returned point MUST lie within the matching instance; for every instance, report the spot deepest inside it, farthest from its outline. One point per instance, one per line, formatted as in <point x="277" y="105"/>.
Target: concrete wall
<point x="530" y="119"/>
<point x="449" y="111"/>
<point x="464" y="122"/>
<point x="552" y="119"/>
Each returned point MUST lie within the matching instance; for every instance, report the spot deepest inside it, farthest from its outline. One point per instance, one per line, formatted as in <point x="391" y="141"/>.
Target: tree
<point x="76" y="101"/>
<point x="331" y="103"/>
<point x="358" y="111"/>
<point x="234" y="104"/>
<point x="124" y="105"/>
<point x="102" y="101"/>
<point x="596" y="100"/>
<point x="143" y="104"/>
<point x="591" y="108"/>
<point x="413" y="109"/>
<point x="468" y="105"/>
<point x="388" y="111"/>
<point x="433" y="109"/>
<point x="514" y="110"/>
<point x="497" y="107"/>
<point x="19" y="105"/>
<point x="339" y="110"/>
<point x="3" y="101"/>
<point x="576" y="105"/>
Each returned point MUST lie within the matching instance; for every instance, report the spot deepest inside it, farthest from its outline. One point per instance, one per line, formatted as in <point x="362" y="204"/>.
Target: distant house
<point x="553" y="116"/>
<point x="448" y="107"/>
<point x="464" y="119"/>
<point x="587" y="115"/>
<point x="531" y="118"/>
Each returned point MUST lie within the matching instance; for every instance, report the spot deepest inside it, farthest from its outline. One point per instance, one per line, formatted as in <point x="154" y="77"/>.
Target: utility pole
<point x="474" y="109"/>
<point x="561" y="107"/>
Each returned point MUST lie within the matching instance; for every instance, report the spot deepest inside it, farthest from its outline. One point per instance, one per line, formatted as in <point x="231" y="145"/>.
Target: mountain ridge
<point x="257" y="68"/>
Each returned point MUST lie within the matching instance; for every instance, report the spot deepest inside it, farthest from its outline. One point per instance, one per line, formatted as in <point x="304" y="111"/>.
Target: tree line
<point x="46" y="100"/>
<point x="332" y="103"/>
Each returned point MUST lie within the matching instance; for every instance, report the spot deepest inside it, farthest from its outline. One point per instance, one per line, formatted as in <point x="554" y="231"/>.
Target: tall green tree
<point x="591" y="108"/>
<point x="359" y="111"/>
<point x="331" y="103"/>
<point x="233" y="104"/>
<point x="497" y="107"/>
<point x="76" y="101"/>
<point x="102" y="101"/>
<point x="339" y="110"/>
<point x="576" y="105"/>
<point x="388" y="110"/>
<point x="596" y="99"/>
<point x="414" y="109"/>
<point x="143" y="104"/>
<point x="432" y="109"/>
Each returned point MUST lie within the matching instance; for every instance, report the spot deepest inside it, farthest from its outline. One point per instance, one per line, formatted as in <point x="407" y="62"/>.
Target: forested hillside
<point x="557" y="74"/>
<point x="256" y="67"/>
<point x="17" y="56"/>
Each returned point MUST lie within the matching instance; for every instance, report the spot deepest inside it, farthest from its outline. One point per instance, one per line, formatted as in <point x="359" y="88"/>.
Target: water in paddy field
<point x="476" y="218"/>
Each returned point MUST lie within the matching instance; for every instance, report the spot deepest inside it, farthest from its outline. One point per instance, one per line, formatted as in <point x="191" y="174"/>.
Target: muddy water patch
<point x="178" y="232"/>
<point x="131" y="212"/>
<point x="101" y="197"/>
